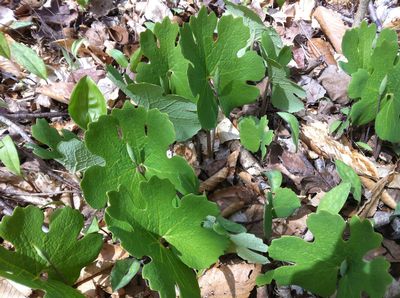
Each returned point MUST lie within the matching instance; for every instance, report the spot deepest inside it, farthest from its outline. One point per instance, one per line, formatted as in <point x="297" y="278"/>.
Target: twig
<point x="18" y="129"/>
<point x="35" y="115"/>
<point x="361" y="11"/>
<point x="374" y="17"/>
<point x="40" y="194"/>
<point x="209" y="145"/>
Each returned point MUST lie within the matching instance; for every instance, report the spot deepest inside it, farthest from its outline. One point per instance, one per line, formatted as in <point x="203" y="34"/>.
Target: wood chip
<point x="332" y="25"/>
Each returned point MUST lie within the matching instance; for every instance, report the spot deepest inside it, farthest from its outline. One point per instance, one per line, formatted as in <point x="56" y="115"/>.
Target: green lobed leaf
<point x="132" y="141"/>
<point x="315" y="266"/>
<point x="167" y="67"/>
<point x="294" y="126"/>
<point x="249" y="247"/>
<point x="217" y="75"/>
<point x="372" y="62"/>
<point x="347" y="174"/>
<point x="255" y="134"/>
<point x="245" y="245"/>
<point x="334" y="200"/>
<point x="272" y="48"/>
<point x="250" y="19"/>
<point x="119" y="57"/>
<point x="58" y="252"/>
<point x="4" y="47"/>
<point x="123" y="272"/>
<point x="285" y="93"/>
<point x="9" y="155"/>
<point x="181" y="111"/>
<point x="164" y="230"/>
<point x="87" y="103"/>
<point x="357" y="47"/>
<point x="284" y="202"/>
<point x="66" y="149"/>
<point x="28" y="58"/>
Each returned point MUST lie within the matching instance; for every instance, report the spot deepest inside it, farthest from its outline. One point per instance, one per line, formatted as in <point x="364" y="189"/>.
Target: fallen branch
<point x="18" y="129"/>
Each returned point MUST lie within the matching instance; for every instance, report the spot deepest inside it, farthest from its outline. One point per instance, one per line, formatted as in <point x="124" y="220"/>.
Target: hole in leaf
<point x="145" y="129"/>
<point x="164" y="242"/>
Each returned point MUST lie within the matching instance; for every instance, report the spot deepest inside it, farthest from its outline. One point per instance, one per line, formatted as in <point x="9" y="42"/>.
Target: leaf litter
<point x="234" y="175"/>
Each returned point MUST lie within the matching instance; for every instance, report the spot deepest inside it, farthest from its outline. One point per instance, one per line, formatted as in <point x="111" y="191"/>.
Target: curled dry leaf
<point x="8" y="66"/>
<point x="60" y="91"/>
<point x="226" y="131"/>
<point x="212" y="182"/>
<point x="336" y="83"/>
<point x="319" y="48"/>
<point x="332" y="25"/>
<point x="316" y="136"/>
<point x="13" y="290"/>
<point x="98" y="273"/>
<point x="232" y="199"/>
<point x="230" y="280"/>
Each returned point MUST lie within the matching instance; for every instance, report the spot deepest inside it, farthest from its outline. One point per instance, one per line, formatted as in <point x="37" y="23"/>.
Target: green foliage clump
<point x="134" y="143"/>
<point x="58" y="253"/>
<point x="255" y="134"/>
<point x="316" y="265"/>
<point x="375" y="71"/>
<point x="170" y="232"/>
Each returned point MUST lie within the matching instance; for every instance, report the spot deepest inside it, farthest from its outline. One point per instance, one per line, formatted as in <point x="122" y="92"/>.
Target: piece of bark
<point x="336" y="83"/>
<point x="332" y="25"/>
<point x="319" y="48"/>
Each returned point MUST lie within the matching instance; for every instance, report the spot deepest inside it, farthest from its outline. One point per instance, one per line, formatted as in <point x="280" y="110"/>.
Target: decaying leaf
<point x="230" y="280"/>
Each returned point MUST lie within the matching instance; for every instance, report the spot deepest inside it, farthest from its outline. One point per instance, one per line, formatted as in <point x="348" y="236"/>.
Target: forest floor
<point x="233" y="177"/>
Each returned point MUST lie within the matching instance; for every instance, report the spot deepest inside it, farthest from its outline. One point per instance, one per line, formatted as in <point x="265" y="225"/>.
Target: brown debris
<point x="332" y="25"/>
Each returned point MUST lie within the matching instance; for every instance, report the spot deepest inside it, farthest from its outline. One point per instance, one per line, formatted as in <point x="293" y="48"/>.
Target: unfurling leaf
<point x="9" y="155"/>
<point x="247" y="246"/>
<point x="172" y="236"/>
<point x="87" y="102"/>
<point x="255" y="134"/>
<point x="217" y="74"/>
<point x="133" y="142"/>
<point x="28" y="58"/>
<point x="315" y="266"/>
<point x="58" y="253"/>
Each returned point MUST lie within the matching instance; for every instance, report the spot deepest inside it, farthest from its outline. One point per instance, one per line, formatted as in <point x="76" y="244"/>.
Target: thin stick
<point x="18" y="129"/>
<point x="42" y="194"/>
<point x="209" y="149"/>
<point x="361" y="11"/>
<point x="373" y="15"/>
<point x="35" y="115"/>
